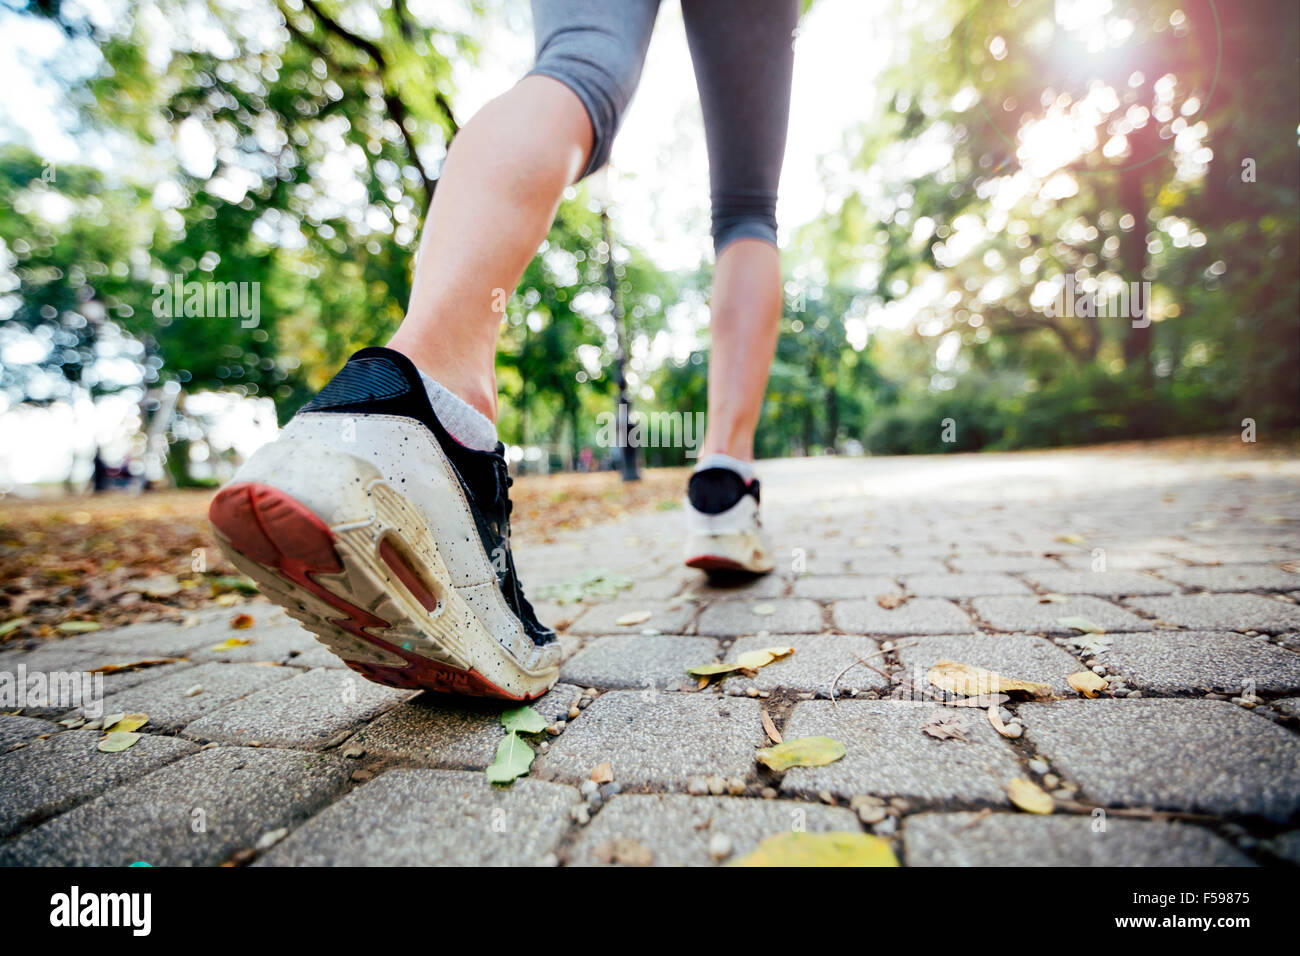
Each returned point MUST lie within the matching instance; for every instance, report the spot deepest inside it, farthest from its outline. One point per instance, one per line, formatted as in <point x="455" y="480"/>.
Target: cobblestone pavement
<point x="272" y="753"/>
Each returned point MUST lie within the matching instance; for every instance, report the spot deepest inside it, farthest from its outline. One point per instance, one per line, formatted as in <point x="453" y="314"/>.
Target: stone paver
<point x="962" y="585"/>
<point x="678" y="830"/>
<point x="434" y="818"/>
<point x="452" y="732"/>
<point x="1179" y="662"/>
<point x="1110" y="583"/>
<point x="51" y="775"/>
<point x="837" y="586"/>
<point x="638" y="661"/>
<point x="196" y="812"/>
<point x="655" y="739"/>
<point x="1006" y="839"/>
<point x="1196" y="755"/>
<point x="171" y="702"/>
<point x="310" y="711"/>
<point x="1022" y="656"/>
<point x="814" y="665"/>
<point x="888" y="755"/>
<point x="917" y="616"/>
<point x="1183" y="559"/>
<point x="1246" y="578"/>
<point x="778" y="616"/>
<point x="1029" y="614"/>
<point x="15" y="730"/>
<point x="1232" y="611"/>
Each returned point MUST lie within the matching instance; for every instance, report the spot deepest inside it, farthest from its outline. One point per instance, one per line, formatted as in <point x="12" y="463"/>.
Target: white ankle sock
<point x="718" y="460"/>
<point x="466" y="423"/>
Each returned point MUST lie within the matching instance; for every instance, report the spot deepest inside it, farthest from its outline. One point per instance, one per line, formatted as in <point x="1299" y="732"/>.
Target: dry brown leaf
<point x="241" y="622"/>
<point x="996" y="720"/>
<point x="769" y="728"/>
<point x="891" y="601"/>
<point x="968" y="681"/>
<point x="134" y="665"/>
<point x="951" y="727"/>
<point x="1087" y="683"/>
<point x="602" y="773"/>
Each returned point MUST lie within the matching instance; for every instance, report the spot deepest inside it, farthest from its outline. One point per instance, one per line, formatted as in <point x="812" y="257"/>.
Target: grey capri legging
<point x="743" y="56"/>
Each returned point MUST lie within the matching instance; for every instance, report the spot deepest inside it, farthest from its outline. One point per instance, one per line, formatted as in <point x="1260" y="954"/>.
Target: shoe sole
<point x="728" y="554"/>
<point x="392" y="618"/>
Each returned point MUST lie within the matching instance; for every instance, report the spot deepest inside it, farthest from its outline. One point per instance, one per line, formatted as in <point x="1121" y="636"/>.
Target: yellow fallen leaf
<point x="1029" y="796"/>
<point x="127" y="723"/>
<point x="635" y="617"/>
<point x="1081" y="624"/>
<point x="230" y="643"/>
<point x="968" y="681"/>
<point x="1069" y="538"/>
<point x="1087" y="683"/>
<point x="793" y="848"/>
<point x="118" y="741"/>
<point x="229" y="599"/>
<point x="764" y="610"/>
<point x="748" y="661"/>
<point x="800" y="752"/>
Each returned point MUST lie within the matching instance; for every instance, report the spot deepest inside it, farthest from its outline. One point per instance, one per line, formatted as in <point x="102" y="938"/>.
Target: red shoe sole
<point x="712" y="562"/>
<point x="281" y="534"/>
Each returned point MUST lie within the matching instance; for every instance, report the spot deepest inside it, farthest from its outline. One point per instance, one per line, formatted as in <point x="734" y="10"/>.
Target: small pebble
<point x="581" y="815"/>
<point x="1038" y="766"/>
<point x="270" y="838"/>
<point x="735" y="786"/>
<point x="587" y="787"/>
<point x="697" y="786"/>
<point x="1013" y="730"/>
<point x="768" y="793"/>
<point x="591" y="692"/>
<point x="826" y="796"/>
<point x="574" y="712"/>
<point x="608" y="790"/>
<point x="1051" y="781"/>
<point x="886" y="826"/>
<point x="353" y="751"/>
<point x="899" y="804"/>
<point x="361" y="776"/>
<point x="194" y="691"/>
<point x="871" y="815"/>
<point x="751" y="691"/>
<point x="717" y="785"/>
<point x="1134" y="693"/>
<point x="557" y="728"/>
<point x="1099" y="670"/>
<point x="719" y="847"/>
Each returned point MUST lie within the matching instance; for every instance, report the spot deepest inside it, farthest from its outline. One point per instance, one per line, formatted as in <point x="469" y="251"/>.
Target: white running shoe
<point x="389" y="539"/>
<point x="723" y="535"/>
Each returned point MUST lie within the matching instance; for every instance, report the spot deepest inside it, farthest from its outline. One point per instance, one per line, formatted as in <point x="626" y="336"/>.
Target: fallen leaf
<point x="769" y="728"/>
<point x="523" y="720"/>
<point x="1087" y="683"/>
<point x="764" y="610"/>
<point x="78" y="627"/>
<point x="748" y="661"/>
<point x="891" y="601"/>
<point x="227" y="600"/>
<point x="1081" y="624"/>
<point x="126" y="723"/>
<point x="134" y="665"/>
<point x="950" y="727"/>
<point x="800" y="752"/>
<point x="793" y="848"/>
<point x="513" y="759"/>
<point x="602" y="773"/>
<point x="1029" y="796"/>
<point x="1069" y="538"/>
<point x="968" y="681"/>
<point x="996" y="720"/>
<point x="118" y="741"/>
<point x="13" y="625"/>
<point x="635" y="617"/>
<point x="1053" y="598"/>
<point x="241" y="622"/>
<point x="231" y="582"/>
<point x="231" y="643"/>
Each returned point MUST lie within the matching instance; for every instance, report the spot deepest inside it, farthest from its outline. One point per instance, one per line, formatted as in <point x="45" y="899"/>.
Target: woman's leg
<point x="743" y="56"/>
<point x="502" y="182"/>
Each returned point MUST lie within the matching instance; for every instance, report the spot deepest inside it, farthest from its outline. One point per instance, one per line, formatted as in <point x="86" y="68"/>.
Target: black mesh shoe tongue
<point x="714" y="490"/>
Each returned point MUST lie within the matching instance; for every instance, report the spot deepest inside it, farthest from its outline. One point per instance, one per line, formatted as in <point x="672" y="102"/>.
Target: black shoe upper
<point x="714" y="490"/>
<point x="380" y="381"/>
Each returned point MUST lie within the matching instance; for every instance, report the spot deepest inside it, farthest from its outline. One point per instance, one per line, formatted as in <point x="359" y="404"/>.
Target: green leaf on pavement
<point x="523" y="720"/>
<point x="118" y="741"/>
<point x="514" y="757"/>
